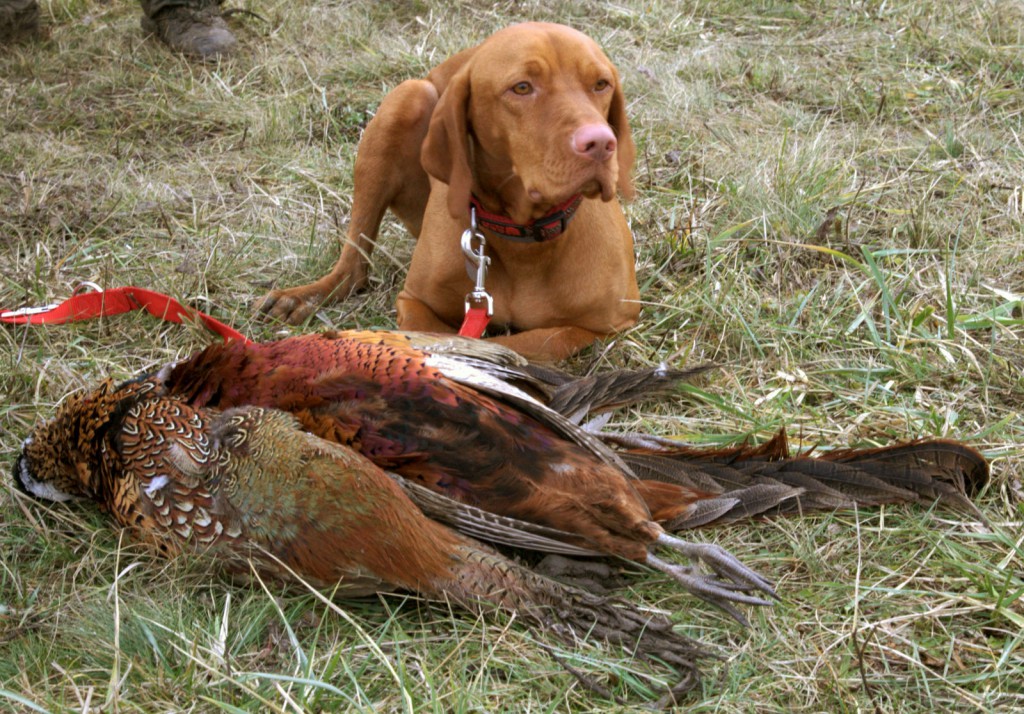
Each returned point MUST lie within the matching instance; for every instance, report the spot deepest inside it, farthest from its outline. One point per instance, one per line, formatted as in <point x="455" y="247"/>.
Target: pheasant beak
<point x="24" y="480"/>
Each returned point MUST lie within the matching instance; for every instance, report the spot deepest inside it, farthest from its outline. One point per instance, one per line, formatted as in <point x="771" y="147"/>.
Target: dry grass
<point x="830" y="206"/>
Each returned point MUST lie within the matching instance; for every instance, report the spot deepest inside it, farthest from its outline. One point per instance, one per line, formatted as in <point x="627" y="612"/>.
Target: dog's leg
<point x="549" y="344"/>
<point x="387" y="175"/>
<point x="416" y="316"/>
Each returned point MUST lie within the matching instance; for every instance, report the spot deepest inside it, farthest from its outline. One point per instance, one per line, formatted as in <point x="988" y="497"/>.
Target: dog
<point x="529" y="129"/>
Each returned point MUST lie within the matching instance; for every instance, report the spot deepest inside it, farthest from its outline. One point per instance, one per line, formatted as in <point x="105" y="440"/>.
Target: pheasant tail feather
<point x="743" y="482"/>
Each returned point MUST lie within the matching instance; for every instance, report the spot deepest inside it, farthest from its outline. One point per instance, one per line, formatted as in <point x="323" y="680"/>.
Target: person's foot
<point x="19" y="20"/>
<point x="198" y="33"/>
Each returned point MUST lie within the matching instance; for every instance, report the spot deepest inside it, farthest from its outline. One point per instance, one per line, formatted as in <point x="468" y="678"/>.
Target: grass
<point x="829" y="206"/>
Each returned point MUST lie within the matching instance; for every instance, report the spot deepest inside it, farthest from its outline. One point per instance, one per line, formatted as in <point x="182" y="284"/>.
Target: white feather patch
<point x="463" y="373"/>
<point x="40" y="489"/>
<point x="156" y="484"/>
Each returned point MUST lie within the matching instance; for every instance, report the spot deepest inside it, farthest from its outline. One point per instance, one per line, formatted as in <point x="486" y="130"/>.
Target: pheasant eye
<point x="522" y="88"/>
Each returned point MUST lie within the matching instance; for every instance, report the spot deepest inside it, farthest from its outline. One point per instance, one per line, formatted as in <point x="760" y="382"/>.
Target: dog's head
<point x="535" y="115"/>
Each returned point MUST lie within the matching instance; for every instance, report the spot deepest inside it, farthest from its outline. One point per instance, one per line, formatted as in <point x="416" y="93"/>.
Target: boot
<point x="197" y="32"/>
<point x="19" y="20"/>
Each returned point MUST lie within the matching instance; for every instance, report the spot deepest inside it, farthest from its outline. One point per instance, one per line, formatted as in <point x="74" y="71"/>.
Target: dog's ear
<point x="626" y="150"/>
<point x="445" y="151"/>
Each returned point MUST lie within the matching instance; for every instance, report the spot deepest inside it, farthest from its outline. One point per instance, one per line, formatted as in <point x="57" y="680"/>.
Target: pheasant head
<point x="61" y="458"/>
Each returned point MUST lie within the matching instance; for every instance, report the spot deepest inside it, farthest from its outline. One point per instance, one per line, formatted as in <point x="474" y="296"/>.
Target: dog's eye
<point x="601" y="85"/>
<point x="522" y="88"/>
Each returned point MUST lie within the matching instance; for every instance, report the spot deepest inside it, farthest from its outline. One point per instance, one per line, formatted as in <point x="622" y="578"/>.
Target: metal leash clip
<point x="23" y="311"/>
<point x="476" y="260"/>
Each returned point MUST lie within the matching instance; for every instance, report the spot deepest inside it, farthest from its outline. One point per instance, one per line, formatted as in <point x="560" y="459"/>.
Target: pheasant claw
<point x="735" y="583"/>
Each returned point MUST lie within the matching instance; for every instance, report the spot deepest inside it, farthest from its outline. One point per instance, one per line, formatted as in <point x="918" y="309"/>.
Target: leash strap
<point x="475" y="322"/>
<point x="101" y="303"/>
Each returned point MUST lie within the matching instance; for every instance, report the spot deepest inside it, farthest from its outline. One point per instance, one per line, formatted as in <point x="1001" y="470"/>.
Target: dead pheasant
<point x="473" y="423"/>
<point x="249" y="487"/>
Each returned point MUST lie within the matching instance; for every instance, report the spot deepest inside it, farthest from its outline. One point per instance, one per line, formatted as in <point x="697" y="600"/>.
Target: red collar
<point x="547" y="227"/>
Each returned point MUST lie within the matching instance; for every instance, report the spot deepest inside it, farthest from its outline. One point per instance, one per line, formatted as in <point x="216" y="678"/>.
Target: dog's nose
<point x="595" y="141"/>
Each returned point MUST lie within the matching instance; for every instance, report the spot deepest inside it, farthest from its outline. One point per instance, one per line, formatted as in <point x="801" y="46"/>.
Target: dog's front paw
<point x="293" y="305"/>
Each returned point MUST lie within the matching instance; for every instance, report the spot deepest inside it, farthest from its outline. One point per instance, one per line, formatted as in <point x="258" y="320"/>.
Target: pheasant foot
<point x="735" y="582"/>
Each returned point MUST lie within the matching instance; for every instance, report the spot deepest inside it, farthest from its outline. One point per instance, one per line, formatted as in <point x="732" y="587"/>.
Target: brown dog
<point x="528" y="125"/>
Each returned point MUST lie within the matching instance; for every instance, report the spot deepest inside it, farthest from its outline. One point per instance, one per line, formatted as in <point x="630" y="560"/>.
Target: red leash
<point x="100" y="303"/>
<point x="477" y="317"/>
